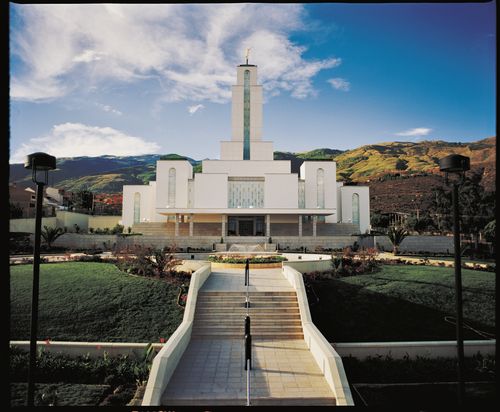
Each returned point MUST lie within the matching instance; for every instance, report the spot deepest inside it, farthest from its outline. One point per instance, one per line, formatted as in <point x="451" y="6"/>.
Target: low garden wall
<point x="168" y="358"/>
<point x="326" y="357"/>
<point x="412" y="244"/>
<point x="28" y="225"/>
<point x="399" y="350"/>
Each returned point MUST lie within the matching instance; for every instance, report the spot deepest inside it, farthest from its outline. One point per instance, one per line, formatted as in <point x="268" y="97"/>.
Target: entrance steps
<point x="272" y="314"/>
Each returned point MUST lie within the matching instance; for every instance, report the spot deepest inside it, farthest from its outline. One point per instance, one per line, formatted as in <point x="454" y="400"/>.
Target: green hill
<point x="108" y="174"/>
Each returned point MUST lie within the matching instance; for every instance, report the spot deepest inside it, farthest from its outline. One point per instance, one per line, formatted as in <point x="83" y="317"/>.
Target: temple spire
<point x="247" y="53"/>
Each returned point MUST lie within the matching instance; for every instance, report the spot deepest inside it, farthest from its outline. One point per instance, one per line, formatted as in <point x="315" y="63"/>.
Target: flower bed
<point x="238" y="259"/>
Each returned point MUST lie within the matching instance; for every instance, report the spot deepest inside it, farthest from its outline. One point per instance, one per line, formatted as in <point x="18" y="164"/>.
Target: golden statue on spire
<point x="247" y="53"/>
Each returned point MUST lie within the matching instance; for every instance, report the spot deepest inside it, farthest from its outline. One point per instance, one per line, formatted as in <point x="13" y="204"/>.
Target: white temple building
<point x="246" y="193"/>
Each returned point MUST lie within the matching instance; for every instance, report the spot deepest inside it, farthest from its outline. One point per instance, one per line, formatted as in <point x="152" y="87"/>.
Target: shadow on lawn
<point x="350" y="313"/>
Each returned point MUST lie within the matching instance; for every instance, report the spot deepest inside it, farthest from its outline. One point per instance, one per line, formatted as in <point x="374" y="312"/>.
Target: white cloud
<point x="108" y="108"/>
<point x="192" y="49"/>
<point x="418" y="131"/>
<point x="76" y="139"/>
<point x="193" y="109"/>
<point x="340" y="84"/>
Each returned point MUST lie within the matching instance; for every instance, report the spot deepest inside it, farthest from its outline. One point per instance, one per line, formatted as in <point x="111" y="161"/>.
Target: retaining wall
<point x="326" y="357"/>
<point x="168" y="358"/>
<point x="414" y="244"/>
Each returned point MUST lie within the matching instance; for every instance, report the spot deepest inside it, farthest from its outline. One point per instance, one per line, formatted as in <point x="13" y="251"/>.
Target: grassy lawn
<point x="403" y="303"/>
<point x="87" y="301"/>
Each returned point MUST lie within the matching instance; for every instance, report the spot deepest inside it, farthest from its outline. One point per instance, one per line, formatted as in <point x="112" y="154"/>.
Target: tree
<point x="379" y="220"/>
<point x="489" y="231"/>
<point x="396" y="236"/>
<point x="50" y="234"/>
<point x="16" y="211"/>
<point x="421" y="224"/>
<point x="83" y="200"/>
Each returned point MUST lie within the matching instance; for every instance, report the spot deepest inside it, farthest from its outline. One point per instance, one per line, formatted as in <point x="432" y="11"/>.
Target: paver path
<point x="211" y="370"/>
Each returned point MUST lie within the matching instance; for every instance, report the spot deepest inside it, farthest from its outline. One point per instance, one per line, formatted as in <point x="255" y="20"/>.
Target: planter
<point x="216" y="265"/>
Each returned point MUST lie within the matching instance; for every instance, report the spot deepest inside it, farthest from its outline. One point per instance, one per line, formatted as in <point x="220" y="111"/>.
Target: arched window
<point x="171" y="187"/>
<point x="137" y="207"/>
<point x="320" y="188"/>
<point x="355" y="209"/>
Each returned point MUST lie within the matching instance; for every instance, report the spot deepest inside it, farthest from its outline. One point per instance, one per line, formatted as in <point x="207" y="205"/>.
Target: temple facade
<point x="246" y="193"/>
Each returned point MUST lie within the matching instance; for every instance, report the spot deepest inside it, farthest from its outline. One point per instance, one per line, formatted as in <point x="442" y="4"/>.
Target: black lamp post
<point x="39" y="163"/>
<point x="458" y="165"/>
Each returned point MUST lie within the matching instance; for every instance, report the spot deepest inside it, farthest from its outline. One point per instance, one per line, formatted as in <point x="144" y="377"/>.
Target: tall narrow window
<point x="246" y="116"/>
<point x="171" y="187"/>
<point x="355" y="209"/>
<point x="137" y="207"/>
<point x="320" y="188"/>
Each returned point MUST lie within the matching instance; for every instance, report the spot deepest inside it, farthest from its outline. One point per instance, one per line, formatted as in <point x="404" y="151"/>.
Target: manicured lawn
<point x="87" y="301"/>
<point x="403" y="303"/>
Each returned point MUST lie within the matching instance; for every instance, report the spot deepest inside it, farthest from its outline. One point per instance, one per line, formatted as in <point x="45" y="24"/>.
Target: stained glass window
<point x="246" y="116"/>
<point x="171" y="187"/>
<point x="302" y="194"/>
<point x="246" y="194"/>
<point x="137" y="207"/>
<point x="355" y="209"/>
<point x="320" y="188"/>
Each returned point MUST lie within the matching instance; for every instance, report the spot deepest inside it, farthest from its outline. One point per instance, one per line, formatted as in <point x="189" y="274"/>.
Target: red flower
<point x="47" y="341"/>
<point x="162" y="340"/>
<point x="98" y="347"/>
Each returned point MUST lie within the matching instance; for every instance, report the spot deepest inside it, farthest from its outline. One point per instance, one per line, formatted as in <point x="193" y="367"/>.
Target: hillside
<point x="416" y="164"/>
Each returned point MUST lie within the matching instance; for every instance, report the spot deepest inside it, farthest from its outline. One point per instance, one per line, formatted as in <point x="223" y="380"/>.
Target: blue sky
<point x="118" y="79"/>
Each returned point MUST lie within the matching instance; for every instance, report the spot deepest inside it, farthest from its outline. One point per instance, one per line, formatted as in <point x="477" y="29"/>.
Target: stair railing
<point x="248" y="355"/>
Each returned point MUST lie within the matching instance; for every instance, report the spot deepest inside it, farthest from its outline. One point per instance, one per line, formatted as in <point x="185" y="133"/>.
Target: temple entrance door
<point x="245" y="227"/>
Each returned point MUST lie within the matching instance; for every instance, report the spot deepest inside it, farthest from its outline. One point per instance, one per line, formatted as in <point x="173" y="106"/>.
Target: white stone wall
<point x="261" y="150"/>
<point x="232" y="150"/>
<point x="308" y="172"/>
<point x="183" y="172"/>
<point x="281" y="191"/>
<point x="246" y="168"/>
<point x="210" y="191"/>
<point x="364" y="205"/>
<point x="147" y="203"/>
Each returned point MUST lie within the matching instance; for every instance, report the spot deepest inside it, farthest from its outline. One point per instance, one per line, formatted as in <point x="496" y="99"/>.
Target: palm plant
<point x="396" y="236"/>
<point x="50" y="234"/>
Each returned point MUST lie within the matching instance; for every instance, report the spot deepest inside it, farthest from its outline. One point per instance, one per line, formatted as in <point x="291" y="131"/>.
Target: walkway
<point x="211" y="371"/>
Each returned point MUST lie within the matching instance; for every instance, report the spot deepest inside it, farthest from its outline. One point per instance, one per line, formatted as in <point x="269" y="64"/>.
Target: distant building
<point x="246" y="192"/>
<point x="24" y="199"/>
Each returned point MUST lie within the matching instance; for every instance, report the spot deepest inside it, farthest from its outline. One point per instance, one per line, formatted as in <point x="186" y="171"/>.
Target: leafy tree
<point x="489" y="231"/>
<point x="50" y="234"/>
<point x="16" y="211"/>
<point x="396" y="236"/>
<point x="423" y="223"/>
<point x="379" y="220"/>
<point x="83" y="200"/>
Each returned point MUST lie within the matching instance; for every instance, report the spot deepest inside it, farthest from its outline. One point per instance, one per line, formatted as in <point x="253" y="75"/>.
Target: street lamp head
<point x="454" y="163"/>
<point x="40" y="162"/>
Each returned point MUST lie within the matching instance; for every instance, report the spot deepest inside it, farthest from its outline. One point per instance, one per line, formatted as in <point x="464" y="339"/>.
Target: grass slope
<point x="403" y="303"/>
<point x="86" y="301"/>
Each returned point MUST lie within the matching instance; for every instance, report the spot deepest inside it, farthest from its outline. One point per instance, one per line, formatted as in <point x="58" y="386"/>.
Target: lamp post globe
<point x="458" y="165"/>
<point x="38" y="163"/>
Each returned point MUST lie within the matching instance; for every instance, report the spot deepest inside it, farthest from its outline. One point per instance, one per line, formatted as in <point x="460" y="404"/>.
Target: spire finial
<point x="247" y="53"/>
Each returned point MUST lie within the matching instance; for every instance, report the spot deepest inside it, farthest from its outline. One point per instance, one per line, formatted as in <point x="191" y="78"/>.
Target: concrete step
<point x="243" y="310"/>
<point x="253" y="304"/>
<point x="253" y="321"/>
<point x="240" y="293"/>
<point x="233" y="335"/>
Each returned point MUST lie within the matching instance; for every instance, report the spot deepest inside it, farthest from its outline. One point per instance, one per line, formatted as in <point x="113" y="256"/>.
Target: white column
<point x="223" y="227"/>
<point x="315" y="220"/>
<point x="191" y="225"/>
<point x="300" y="225"/>
<point x="176" y="224"/>
<point x="268" y="225"/>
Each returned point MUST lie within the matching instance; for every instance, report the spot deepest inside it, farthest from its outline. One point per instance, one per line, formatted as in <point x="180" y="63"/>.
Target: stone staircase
<point x="274" y="315"/>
